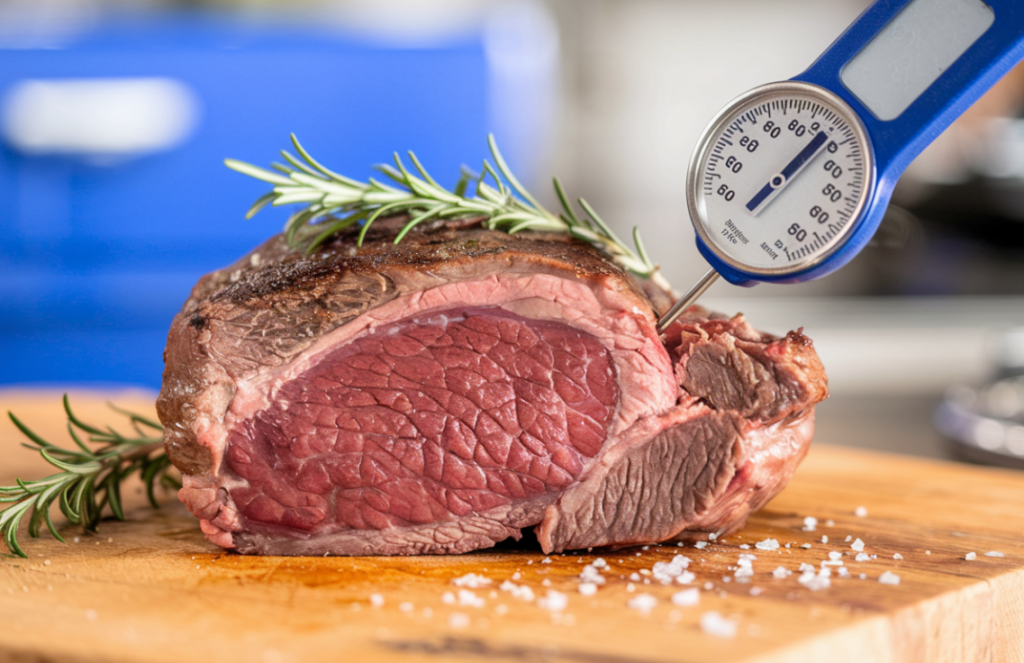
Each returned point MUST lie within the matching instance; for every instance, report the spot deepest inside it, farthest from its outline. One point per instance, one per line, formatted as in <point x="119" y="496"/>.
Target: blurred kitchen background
<point x="115" y="118"/>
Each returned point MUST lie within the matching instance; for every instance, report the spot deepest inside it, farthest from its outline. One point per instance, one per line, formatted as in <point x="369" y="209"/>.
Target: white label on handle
<point x="912" y="51"/>
<point x="98" y="116"/>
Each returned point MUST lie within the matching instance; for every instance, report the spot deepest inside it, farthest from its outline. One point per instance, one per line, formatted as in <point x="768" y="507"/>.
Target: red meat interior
<point x="425" y="420"/>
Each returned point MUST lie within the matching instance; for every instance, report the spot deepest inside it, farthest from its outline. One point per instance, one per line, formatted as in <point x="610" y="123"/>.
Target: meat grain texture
<point x="443" y="394"/>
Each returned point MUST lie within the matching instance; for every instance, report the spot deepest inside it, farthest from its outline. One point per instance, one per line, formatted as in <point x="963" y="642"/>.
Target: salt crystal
<point x="646" y="548"/>
<point x="780" y="572"/>
<point x="712" y="536"/>
<point x="635" y="577"/>
<point x="666" y="572"/>
<point x="745" y="546"/>
<point x="747" y="556"/>
<point x="835" y="555"/>
<point x="405" y="606"/>
<point x="553" y="601"/>
<point x="458" y="620"/>
<point x="468" y="598"/>
<point x="546" y="560"/>
<point x="501" y="609"/>
<point x="517" y="575"/>
<point x="863" y="576"/>
<point x="592" y="575"/>
<point x="518" y="591"/>
<point x="806" y="546"/>
<point x="376" y="600"/>
<point x="755" y="591"/>
<point x="848" y="538"/>
<point x="685" y="578"/>
<point x="824" y="538"/>
<point x="844" y="572"/>
<point x="970" y="556"/>
<point x="994" y="553"/>
<point x="862" y="557"/>
<point x="830" y="523"/>
<point x="545" y="582"/>
<point x="599" y="563"/>
<point x="805" y="567"/>
<point x="630" y="587"/>
<point x="709" y="586"/>
<point x="588" y="588"/>
<point x="897" y="556"/>
<point x="701" y="545"/>
<point x="717" y="626"/>
<point x="471" y="580"/>
<point x="860" y="512"/>
<point x="686" y="598"/>
<point x="889" y="578"/>
<point x="810" y="522"/>
<point x="857" y="545"/>
<point x="642" y="602"/>
<point x="815" y="582"/>
<point x="767" y="544"/>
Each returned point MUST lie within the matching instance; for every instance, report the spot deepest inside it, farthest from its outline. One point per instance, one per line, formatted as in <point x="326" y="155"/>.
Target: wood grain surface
<point x="153" y="589"/>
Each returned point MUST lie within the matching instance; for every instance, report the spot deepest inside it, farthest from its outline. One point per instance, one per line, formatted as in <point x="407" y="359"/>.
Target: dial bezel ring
<point x="734" y="109"/>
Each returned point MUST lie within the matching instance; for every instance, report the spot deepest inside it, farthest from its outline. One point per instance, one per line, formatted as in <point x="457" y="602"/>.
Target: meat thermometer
<point x="790" y="180"/>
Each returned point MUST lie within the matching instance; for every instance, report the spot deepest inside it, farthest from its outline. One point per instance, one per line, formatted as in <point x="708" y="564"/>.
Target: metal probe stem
<point x="687" y="300"/>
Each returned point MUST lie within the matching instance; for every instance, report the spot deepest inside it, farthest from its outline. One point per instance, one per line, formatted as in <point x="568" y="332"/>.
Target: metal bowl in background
<point x="986" y="423"/>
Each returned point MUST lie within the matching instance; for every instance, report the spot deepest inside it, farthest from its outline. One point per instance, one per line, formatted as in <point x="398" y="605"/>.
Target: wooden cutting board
<point x="153" y="589"/>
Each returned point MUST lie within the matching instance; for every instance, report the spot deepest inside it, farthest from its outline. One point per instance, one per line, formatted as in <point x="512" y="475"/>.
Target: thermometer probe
<point x="790" y="180"/>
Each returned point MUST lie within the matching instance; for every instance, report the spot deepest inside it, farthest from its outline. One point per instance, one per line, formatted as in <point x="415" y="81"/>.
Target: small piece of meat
<point x="443" y="394"/>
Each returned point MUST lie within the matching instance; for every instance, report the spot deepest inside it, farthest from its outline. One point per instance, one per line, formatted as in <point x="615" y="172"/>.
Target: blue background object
<point x="896" y="142"/>
<point x="97" y="257"/>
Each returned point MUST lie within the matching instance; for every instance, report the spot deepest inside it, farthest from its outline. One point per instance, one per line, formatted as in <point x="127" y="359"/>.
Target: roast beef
<point x="442" y="394"/>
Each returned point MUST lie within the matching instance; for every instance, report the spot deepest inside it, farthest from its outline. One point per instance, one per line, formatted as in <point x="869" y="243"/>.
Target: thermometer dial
<point x="779" y="178"/>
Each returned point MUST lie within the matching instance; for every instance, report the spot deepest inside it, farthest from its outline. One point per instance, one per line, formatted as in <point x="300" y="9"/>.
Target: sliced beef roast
<point x="442" y="394"/>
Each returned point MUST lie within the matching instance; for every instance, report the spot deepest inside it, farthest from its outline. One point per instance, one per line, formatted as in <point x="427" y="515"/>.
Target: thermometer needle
<point x="779" y="181"/>
<point x="687" y="300"/>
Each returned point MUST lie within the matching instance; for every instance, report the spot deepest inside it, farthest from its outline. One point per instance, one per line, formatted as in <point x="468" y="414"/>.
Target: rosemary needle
<point x="89" y="477"/>
<point x="334" y="202"/>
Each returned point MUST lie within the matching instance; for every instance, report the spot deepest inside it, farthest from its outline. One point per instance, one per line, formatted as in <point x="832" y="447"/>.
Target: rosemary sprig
<point x="335" y="202"/>
<point x="89" y="478"/>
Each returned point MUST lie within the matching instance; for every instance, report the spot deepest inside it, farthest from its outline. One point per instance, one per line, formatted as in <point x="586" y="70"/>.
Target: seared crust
<point x="276" y="301"/>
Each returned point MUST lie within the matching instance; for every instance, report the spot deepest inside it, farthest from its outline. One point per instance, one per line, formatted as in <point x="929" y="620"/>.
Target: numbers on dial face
<point x="781" y="184"/>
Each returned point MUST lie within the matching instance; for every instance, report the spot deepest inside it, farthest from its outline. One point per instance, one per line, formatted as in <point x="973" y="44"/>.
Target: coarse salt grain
<point x="824" y="538"/>
<point x="405" y="606"/>
<point x="805" y="567"/>
<point x="458" y="620"/>
<point x="546" y="560"/>
<point x="635" y="577"/>
<point x="701" y="545"/>
<point x="376" y="600"/>
<point x="970" y="556"/>
<point x="630" y="587"/>
<point x="857" y="545"/>
<point x="889" y="578"/>
<point x="518" y="591"/>
<point x="810" y="522"/>
<point x="545" y="582"/>
<point x="666" y="572"/>
<point x="848" y="538"/>
<point x="844" y="572"/>
<point x="599" y="563"/>
<point x="715" y="625"/>
<point x="767" y="544"/>
<point x="471" y="580"/>
<point x="448" y="598"/>
<point x="806" y="546"/>
<point x="642" y="602"/>
<point x="517" y="575"/>
<point x="994" y="553"/>
<point x="815" y="582"/>
<point x="468" y="598"/>
<point x="862" y="557"/>
<point x="755" y="591"/>
<point x="501" y="609"/>
<point x="686" y="597"/>
<point x="781" y="572"/>
<point x="685" y="578"/>
<point x="860" y="512"/>
<point x="554" y="601"/>
<point x="592" y="575"/>
<point x="897" y="556"/>
<point x="835" y="555"/>
<point x="588" y="588"/>
<point x="745" y="546"/>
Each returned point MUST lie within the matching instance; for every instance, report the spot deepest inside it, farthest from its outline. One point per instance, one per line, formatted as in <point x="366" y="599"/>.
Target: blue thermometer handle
<point x="897" y="141"/>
